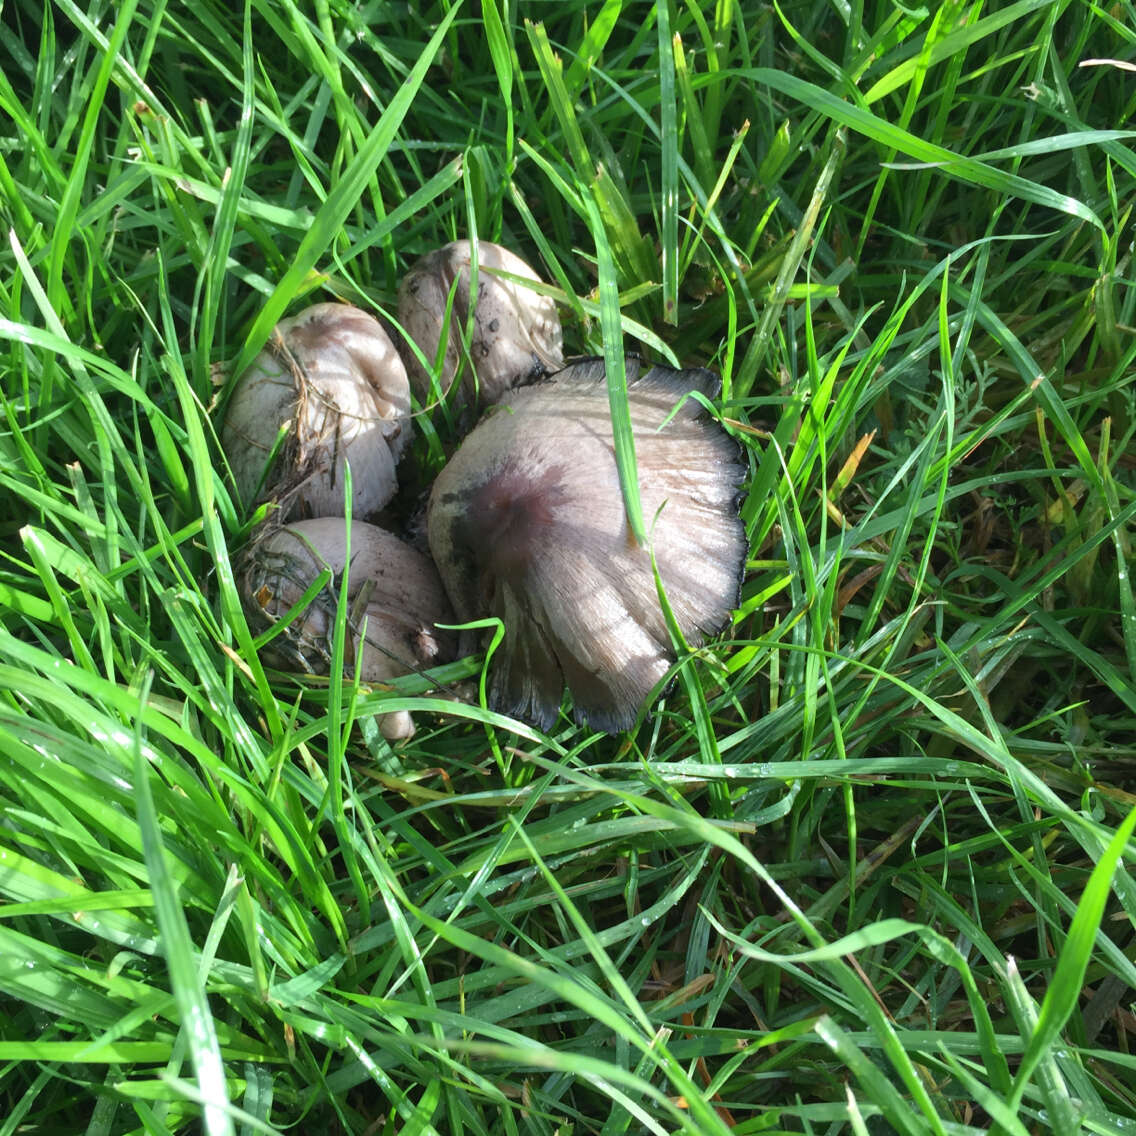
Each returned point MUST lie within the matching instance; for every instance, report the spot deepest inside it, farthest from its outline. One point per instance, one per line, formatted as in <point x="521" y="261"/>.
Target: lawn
<point x="865" y="865"/>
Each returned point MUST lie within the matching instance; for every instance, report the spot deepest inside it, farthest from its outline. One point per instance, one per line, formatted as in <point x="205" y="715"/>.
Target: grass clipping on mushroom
<point x="329" y="388"/>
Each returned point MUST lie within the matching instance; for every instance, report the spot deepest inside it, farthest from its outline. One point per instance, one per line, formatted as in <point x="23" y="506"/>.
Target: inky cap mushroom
<point x="516" y="331"/>
<point x="527" y="523"/>
<point x="392" y="587"/>
<point x="333" y="374"/>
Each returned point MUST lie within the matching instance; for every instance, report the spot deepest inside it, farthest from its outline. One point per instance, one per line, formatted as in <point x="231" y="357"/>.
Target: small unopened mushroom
<point x="395" y="594"/>
<point x="516" y="331"/>
<point x="527" y="523"/>
<point x="332" y="378"/>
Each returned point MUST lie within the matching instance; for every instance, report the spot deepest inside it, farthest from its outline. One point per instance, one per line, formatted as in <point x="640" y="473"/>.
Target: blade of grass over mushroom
<point x="340" y="717"/>
<point x="699" y="710"/>
<point x="615" y="365"/>
<point x="342" y="198"/>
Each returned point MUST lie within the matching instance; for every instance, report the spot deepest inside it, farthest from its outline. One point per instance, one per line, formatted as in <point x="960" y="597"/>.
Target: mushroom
<point x="330" y="377"/>
<point x="395" y="594"/>
<point x="527" y="523"/>
<point x="516" y="331"/>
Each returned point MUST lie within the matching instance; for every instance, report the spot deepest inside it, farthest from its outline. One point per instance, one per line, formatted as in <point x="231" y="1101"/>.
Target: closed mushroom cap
<point x="392" y="587"/>
<point x="516" y="335"/>
<point x="527" y="523"/>
<point x="334" y="374"/>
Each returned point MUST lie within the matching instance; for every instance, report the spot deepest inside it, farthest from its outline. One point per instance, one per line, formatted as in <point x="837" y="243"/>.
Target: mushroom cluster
<point x="526" y="522"/>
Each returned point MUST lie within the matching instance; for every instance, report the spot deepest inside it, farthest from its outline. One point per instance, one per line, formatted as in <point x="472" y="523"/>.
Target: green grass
<point x="867" y="867"/>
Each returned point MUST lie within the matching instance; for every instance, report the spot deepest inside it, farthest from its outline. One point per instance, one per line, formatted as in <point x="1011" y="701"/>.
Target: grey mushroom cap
<point x="333" y="375"/>
<point x="527" y="523"/>
<point x="396" y="599"/>
<point x="516" y="331"/>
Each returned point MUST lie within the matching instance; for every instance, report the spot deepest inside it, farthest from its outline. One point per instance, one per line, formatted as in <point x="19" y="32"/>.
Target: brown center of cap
<point x="509" y="521"/>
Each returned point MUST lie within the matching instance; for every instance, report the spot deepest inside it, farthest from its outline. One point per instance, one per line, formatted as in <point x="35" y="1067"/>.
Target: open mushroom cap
<point x="516" y="331"/>
<point x="332" y="374"/>
<point x="527" y="523"/>
<point x="396" y="597"/>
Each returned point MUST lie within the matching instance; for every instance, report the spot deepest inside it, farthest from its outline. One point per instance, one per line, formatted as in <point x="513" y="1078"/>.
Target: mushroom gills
<point x="527" y="524"/>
